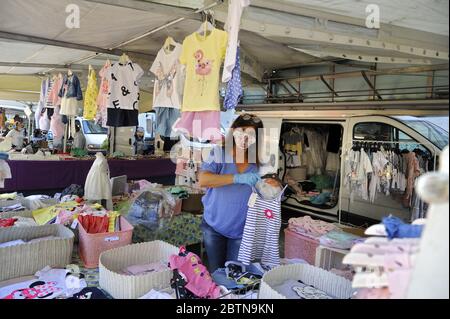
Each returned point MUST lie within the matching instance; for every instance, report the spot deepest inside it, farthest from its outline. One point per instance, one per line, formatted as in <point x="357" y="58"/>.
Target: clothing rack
<point x="431" y="147"/>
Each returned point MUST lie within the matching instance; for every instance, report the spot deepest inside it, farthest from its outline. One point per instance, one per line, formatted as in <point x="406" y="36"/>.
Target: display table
<point x="56" y="175"/>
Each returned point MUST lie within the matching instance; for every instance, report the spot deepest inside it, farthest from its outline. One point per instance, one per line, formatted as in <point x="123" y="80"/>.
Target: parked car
<point x="94" y="133"/>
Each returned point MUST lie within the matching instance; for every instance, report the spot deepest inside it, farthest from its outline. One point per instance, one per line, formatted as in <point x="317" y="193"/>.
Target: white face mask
<point x="244" y="138"/>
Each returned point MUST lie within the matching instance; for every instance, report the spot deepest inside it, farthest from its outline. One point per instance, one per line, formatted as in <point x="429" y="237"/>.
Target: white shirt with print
<point x="124" y="86"/>
<point x="169" y="77"/>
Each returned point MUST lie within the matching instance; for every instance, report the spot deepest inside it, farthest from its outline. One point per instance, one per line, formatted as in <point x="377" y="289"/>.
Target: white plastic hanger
<point x="204" y="28"/>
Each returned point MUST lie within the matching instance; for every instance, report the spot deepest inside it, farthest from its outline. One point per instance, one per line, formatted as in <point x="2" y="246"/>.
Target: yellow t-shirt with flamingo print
<point x="203" y="57"/>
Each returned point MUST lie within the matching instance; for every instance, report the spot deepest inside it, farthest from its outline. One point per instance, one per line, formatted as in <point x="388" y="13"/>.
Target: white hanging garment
<point x="232" y="25"/>
<point x="98" y="185"/>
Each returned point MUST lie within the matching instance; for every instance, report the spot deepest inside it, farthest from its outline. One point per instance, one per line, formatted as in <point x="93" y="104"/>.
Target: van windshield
<point x="433" y="128"/>
<point x="90" y="127"/>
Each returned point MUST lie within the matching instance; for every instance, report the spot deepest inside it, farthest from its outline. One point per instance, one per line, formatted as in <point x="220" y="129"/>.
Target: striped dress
<point x="260" y="240"/>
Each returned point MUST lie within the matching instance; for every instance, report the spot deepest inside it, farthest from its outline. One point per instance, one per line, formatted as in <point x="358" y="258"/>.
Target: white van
<point x="353" y="129"/>
<point x="94" y="133"/>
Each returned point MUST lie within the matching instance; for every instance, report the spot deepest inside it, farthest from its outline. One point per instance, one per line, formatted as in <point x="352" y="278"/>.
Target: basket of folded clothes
<point x="302" y="281"/>
<point x="131" y="271"/>
<point x="25" y="250"/>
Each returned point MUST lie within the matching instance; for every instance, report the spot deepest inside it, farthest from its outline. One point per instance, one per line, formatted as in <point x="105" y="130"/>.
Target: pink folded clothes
<point x="202" y="125"/>
<point x="199" y="281"/>
<point x="372" y="293"/>
<point x="391" y="248"/>
<point x="64" y="217"/>
<point x="311" y="227"/>
<point x="399" y="268"/>
<point x="145" y="268"/>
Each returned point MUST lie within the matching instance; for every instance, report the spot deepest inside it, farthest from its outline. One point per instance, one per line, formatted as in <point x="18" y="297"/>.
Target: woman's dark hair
<point x="246" y="120"/>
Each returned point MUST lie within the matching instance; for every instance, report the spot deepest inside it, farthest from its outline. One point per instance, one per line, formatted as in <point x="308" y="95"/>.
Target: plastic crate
<point x="299" y="246"/>
<point x="92" y="245"/>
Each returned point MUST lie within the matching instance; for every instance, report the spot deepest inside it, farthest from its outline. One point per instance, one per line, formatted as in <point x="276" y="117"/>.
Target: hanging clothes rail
<point x="157" y="29"/>
<point x="348" y="146"/>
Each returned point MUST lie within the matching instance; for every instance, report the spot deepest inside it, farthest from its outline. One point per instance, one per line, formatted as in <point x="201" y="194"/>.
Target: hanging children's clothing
<point x="44" y="122"/>
<point x="232" y="25"/>
<point x="203" y="124"/>
<point x="123" y="105"/>
<point x="317" y="145"/>
<point x="357" y="169"/>
<point x="168" y="72"/>
<point x="234" y="87"/>
<point x="53" y="96"/>
<point x="293" y="147"/>
<point x="57" y="127"/>
<point x="167" y="89"/>
<point x="262" y="229"/>
<point x="41" y="103"/>
<point x="70" y="94"/>
<point x="90" y="103"/>
<point x="412" y="172"/>
<point x="102" y="98"/>
<point x="202" y="56"/>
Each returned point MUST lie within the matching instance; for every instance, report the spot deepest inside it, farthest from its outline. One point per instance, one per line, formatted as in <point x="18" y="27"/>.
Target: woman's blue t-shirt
<point x="225" y="208"/>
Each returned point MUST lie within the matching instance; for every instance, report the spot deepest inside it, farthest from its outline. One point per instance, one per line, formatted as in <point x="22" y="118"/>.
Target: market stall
<point x="103" y="219"/>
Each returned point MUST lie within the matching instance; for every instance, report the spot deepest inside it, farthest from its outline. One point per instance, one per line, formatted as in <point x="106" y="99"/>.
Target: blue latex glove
<point x="246" y="178"/>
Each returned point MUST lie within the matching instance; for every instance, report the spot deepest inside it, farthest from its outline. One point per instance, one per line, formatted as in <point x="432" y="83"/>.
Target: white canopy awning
<point x="34" y="38"/>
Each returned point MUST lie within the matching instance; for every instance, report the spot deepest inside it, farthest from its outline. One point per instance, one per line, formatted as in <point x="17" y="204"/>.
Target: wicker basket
<point x="120" y="286"/>
<point x="329" y="283"/>
<point x="26" y="259"/>
<point x="29" y="214"/>
<point x="21" y="213"/>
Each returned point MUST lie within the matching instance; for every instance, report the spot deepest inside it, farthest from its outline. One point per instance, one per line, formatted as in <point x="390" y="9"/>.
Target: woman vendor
<point x="229" y="175"/>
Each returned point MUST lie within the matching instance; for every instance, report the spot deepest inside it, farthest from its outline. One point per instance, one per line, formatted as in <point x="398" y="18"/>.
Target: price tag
<point x="114" y="238"/>
<point x="74" y="223"/>
<point x="252" y="200"/>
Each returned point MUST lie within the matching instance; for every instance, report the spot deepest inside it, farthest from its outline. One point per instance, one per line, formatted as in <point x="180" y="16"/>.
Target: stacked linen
<point x="309" y="227"/>
<point x="327" y="234"/>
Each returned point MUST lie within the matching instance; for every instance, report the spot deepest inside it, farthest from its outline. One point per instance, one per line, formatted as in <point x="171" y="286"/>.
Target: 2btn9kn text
<point x="228" y="308"/>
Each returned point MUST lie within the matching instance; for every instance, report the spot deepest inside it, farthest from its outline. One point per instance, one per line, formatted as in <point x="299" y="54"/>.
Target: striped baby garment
<point x="260" y="240"/>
